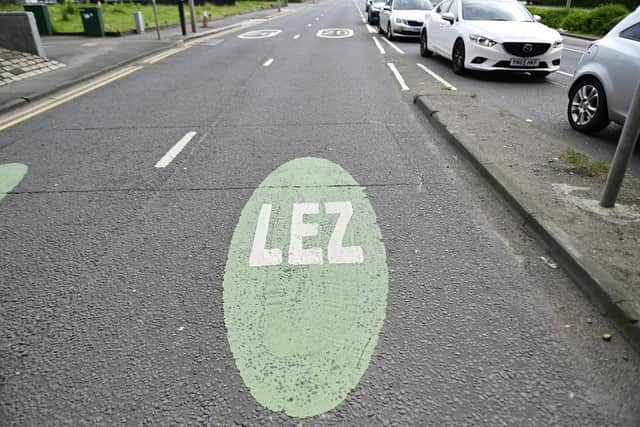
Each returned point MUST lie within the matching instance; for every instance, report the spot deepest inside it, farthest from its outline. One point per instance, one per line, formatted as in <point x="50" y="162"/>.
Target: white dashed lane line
<point x="437" y="77"/>
<point x="398" y="76"/>
<point x="371" y="29"/>
<point x="175" y="150"/>
<point x="564" y="73"/>
<point x="378" y="45"/>
<point x="268" y="62"/>
<point x="397" y="49"/>
<point x="296" y="37"/>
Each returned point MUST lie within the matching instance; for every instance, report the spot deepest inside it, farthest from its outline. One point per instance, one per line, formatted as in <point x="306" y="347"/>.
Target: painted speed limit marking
<point x="305" y="288"/>
<point x="259" y="34"/>
<point x="334" y="33"/>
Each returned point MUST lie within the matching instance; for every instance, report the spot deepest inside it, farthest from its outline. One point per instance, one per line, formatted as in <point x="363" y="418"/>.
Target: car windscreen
<point x="487" y="10"/>
<point x="411" y="5"/>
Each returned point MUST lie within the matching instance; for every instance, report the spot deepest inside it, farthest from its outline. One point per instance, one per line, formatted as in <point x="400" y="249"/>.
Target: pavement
<point x="88" y="57"/>
<point x="386" y="282"/>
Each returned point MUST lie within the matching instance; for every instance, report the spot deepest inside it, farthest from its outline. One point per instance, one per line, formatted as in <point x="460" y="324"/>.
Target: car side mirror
<point x="537" y="18"/>
<point x="448" y="16"/>
<point x="387" y="8"/>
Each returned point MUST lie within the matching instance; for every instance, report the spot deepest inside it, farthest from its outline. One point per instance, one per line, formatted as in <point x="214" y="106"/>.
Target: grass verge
<point x="596" y="22"/>
<point x="118" y="17"/>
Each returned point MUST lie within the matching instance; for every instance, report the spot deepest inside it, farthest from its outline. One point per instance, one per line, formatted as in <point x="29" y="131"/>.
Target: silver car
<point x="606" y="78"/>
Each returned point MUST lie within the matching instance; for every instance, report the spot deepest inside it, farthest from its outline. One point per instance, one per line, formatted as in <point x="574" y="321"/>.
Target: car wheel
<point x="457" y="57"/>
<point x="389" y="32"/>
<point x="369" y="18"/>
<point x="539" y="74"/>
<point x="380" y="27"/>
<point x="424" y="50"/>
<point x="587" y="109"/>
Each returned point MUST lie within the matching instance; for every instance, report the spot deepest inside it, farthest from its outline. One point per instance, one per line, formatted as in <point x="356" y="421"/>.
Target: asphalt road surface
<point x="264" y="231"/>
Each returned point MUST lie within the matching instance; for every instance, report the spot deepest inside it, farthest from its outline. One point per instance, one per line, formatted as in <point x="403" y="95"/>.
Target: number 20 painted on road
<point x="298" y="255"/>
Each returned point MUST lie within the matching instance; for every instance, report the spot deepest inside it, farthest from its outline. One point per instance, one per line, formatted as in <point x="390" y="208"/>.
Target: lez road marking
<point x="296" y="37"/>
<point x="400" y="51"/>
<point x="175" y="150"/>
<point x="437" y="77"/>
<point x="397" y="75"/>
<point x="564" y="73"/>
<point x="10" y="176"/>
<point x="336" y="253"/>
<point x="334" y="33"/>
<point x="378" y="45"/>
<point x="259" y="34"/>
<point x="371" y="29"/>
<point x="268" y="62"/>
<point x="305" y="288"/>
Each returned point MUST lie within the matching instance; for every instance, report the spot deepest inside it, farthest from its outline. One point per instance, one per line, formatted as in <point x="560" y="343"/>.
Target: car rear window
<point x="632" y="33"/>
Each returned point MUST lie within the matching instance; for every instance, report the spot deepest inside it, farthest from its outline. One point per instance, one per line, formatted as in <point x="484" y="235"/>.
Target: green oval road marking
<point x="10" y="176"/>
<point x="305" y="288"/>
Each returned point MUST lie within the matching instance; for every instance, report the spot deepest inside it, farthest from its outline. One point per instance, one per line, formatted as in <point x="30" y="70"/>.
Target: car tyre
<point x="587" y="109"/>
<point x="380" y="31"/>
<point x="369" y="18"/>
<point x="458" y="57"/>
<point x="424" y="50"/>
<point x="390" y="32"/>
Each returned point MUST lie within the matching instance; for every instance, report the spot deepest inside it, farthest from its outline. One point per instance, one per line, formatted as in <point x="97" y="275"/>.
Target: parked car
<point x="403" y="18"/>
<point x="491" y="35"/>
<point x="373" y="15"/>
<point x="606" y="78"/>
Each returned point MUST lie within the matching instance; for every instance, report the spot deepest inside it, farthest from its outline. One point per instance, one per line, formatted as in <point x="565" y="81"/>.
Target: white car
<point x="491" y="35"/>
<point x="403" y="18"/>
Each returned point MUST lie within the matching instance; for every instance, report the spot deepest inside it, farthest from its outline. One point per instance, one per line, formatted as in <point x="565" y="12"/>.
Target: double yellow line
<point x="40" y="107"/>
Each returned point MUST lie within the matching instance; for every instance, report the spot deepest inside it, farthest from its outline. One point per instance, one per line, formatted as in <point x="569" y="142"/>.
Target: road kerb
<point x="601" y="288"/>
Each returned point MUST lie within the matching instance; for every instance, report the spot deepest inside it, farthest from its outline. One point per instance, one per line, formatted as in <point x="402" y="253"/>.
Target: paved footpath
<point x="279" y="238"/>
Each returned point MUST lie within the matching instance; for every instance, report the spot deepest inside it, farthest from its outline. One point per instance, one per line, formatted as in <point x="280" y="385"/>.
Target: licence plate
<point x="524" y="62"/>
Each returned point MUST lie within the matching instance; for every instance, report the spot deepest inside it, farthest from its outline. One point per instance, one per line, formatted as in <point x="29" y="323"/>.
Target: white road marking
<point x="371" y="29"/>
<point x="397" y="75"/>
<point x="437" y="77"/>
<point x="564" y="74"/>
<point x="175" y="150"/>
<point x="317" y="19"/>
<point x="308" y="25"/>
<point x="574" y="50"/>
<point x="259" y="34"/>
<point x="335" y="33"/>
<point x="296" y="37"/>
<point x="378" y="45"/>
<point x="364" y="21"/>
<point x="268" y="62"/>
<point x="393" y="46"/>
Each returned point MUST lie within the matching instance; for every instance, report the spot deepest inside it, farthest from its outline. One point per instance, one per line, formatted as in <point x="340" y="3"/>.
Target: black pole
<point x="183" y="23"/>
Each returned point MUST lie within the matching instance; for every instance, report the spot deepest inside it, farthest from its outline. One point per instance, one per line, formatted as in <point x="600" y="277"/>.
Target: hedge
<point x="596" y="21"/>
<point x="588" y="4"/>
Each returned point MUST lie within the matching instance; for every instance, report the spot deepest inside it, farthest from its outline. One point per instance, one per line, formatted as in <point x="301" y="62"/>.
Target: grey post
<point x="155" y="15"/>
<point x="626" y="145"/>
<point x="192" y="12"/>
<point x="568" y="4"/>
<point x="278" y="5"/>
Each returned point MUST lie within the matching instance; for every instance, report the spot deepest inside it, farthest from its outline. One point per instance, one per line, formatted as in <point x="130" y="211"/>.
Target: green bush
<point x="596" y="21"/>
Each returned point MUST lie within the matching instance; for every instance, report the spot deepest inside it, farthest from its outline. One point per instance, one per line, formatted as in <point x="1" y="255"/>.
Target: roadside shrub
<point x="596" y="21"/>
<point x="68" y="9"/>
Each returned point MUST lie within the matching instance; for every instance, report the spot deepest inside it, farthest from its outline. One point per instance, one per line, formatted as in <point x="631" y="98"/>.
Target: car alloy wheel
<point x="587" y="110"/>
<point x="424" y="50"/>
<point x="457" y="58"/>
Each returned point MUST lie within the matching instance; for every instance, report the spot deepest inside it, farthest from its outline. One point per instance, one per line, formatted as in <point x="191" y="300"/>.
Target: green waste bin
<point x="41" y="14"/>
<point x="92" y="21"/>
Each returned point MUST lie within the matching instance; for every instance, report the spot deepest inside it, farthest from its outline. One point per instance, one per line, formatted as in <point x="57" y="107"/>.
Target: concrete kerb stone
<point x="601" y="288"/>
